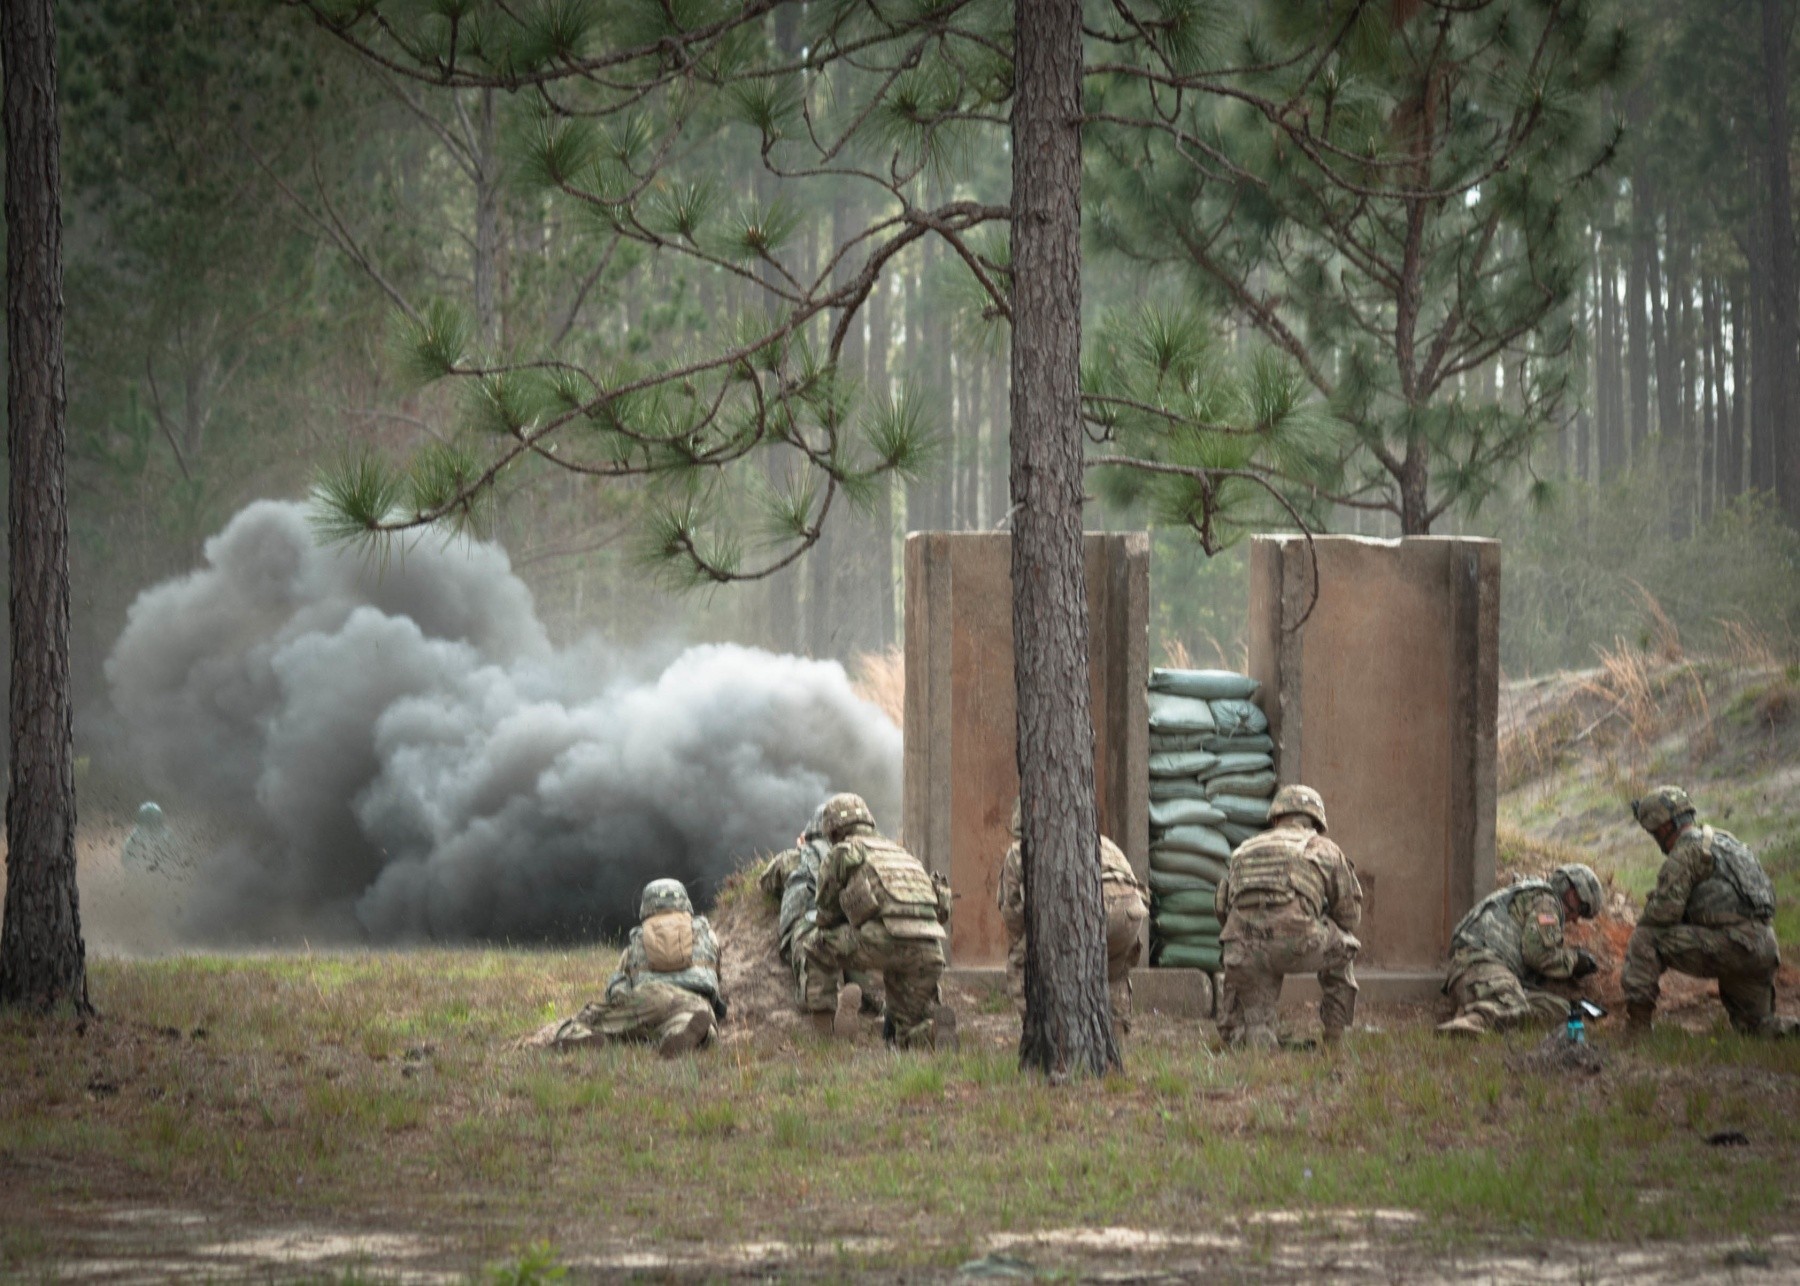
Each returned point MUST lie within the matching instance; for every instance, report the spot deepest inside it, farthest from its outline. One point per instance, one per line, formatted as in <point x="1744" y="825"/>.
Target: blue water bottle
<point x="1576" y="1029"/>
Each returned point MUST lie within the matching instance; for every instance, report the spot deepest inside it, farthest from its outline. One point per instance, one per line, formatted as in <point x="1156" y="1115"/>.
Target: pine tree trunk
<point x="1637" y="321"/>
<point x="1610" y="453"/>
<point x="1731" y="471"/>
<point x="1068" y="1017"/>
<point x="1784" y="454"/>
<point x="43" y="961"/>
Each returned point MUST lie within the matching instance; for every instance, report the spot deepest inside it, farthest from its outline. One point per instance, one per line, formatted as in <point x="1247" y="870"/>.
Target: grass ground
<point x="383" y="1095"/>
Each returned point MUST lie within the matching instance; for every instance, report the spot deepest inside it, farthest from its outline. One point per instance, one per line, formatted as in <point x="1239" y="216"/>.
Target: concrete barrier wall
<point x="961" y="760"/>
<point x="1385" y="701"/>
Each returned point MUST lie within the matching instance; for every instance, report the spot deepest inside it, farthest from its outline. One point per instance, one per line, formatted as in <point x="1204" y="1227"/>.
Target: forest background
<point x="246" y="199"/>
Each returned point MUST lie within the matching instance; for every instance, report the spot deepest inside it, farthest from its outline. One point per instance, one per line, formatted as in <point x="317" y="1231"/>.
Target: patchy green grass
<point x="384" y="1089"/>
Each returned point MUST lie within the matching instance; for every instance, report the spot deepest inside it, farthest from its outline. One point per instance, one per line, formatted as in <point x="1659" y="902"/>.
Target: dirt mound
<point x="758" y="986"/>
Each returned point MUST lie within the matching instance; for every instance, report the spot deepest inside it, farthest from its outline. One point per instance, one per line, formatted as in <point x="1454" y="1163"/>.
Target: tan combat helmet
<point x="664" y="895"/>
<point x="845" y="812"/>
<point x="1300" y="801"/>
<point x="1661" y="806"/>
<point x="1580" y="877"/>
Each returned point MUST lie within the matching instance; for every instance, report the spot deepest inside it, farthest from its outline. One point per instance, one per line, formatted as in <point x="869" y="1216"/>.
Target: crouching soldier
<point x="878" y="911"/>
<point x="1123" y="900"/>
<point x="1512" y="938"/>
<point x="1290" y="903"/>
<point x="666" y="988"/>
<point x="1710" y="915"/>
<point x="792" y="879"/>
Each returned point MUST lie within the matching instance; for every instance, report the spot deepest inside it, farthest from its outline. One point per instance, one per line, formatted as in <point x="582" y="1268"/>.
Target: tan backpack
<point x="668" y="941"/>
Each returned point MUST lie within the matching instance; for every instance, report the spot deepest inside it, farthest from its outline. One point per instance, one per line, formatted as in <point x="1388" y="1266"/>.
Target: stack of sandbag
<point x="1212" y="771"/>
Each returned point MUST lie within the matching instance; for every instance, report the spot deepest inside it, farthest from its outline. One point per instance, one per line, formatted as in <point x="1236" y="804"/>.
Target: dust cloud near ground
<point x="389" y="750"/>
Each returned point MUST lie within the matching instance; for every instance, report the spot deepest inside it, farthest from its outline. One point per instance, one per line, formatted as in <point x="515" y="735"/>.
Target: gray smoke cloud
<point x="401" y="755"/>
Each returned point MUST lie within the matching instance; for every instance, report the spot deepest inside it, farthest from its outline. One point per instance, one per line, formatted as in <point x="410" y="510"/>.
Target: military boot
<point x="821" y="1023"/>
<point x="688" y="1037"/>
<point x="849" y="1006"/>
<point x="943" y="1028"/>
<point x="1467" y="1026"/>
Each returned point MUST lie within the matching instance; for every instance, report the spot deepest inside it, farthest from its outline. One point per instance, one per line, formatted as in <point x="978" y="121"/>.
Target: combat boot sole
<point x="688" y="1037"/>
<point x="849" y="1007"/>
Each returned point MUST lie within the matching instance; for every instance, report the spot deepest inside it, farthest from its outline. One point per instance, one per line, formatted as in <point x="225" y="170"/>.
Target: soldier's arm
<point x="775" y="875"/>
<point x="1541" y="944"/>
<point x="621" y="979"/>
<point x="831" y="875"/>
<point x="1346" y="889"/>
<point x="1222" y="898"/>
<point x="1667" y="903"/>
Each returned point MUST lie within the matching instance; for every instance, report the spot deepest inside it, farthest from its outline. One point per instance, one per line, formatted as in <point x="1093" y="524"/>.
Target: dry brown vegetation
<point x="880" y="679"/>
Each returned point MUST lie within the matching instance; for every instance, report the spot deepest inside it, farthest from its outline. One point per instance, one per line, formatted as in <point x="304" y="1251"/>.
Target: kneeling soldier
<point x="879" y="911"/>
<point x="1512" y="937"/>
<point x="1710" y="915"/>
<point x="1123" y="900"/>
<point x="666" y="988"/>
<point x="1290" y="903"/>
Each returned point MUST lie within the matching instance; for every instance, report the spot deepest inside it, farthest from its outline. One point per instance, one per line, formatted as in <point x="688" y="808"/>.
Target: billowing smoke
<point x="401" y="755"/>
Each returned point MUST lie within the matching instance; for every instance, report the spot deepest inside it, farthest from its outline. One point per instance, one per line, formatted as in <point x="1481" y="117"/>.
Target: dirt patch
<point x="758" y="984"/>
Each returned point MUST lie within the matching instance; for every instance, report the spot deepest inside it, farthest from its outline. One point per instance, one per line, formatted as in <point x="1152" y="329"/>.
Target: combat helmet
<point x="150" y="815"/>
<point x="1581" y="878"/>
<point x="815" y="829"/>
<point x="1301" y="800"/>
<point x="663" y="895"/>
<point x="842" y="812"/>
<point x="1661" y="806"/>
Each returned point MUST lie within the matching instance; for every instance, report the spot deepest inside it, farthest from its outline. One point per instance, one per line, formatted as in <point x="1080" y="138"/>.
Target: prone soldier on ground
<point x="1123" y="900"/>
<point x="1290" y="903"/>
<point x="1513" y="939"/>
<point x="879" y="912"/>
<point x="666" y="987"/>
<point x="1710" y="915"/>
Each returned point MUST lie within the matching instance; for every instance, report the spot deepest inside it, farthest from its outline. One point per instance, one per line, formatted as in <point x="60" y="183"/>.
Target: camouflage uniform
<point x="151" y="844"/>
<point x="793" y="878"/>
<point x="879" y="911"/>
<point x="1123" y="898"/>
<point x="1512" y="936"/>
<point x="1709" y="916"/>
<point x="1290" y="903"/>
<point x="676" y="1007"/>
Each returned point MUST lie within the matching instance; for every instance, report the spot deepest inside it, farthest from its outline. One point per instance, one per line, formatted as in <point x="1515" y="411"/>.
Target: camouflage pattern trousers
<point x="803" y="965"/>
<point x="1490" y="996"/>
<point x="909" y="969"/>
<point x="1124" y="949"/>
<point x="648" y="1011"/>
<point x="1743" y="957"/>
<point x="1261" y="946"/>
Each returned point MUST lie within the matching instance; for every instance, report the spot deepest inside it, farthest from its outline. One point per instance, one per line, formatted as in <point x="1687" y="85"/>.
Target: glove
<point x="1584" y="963"/>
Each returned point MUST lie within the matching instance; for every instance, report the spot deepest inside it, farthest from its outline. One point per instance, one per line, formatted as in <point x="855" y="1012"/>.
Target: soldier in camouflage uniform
<point x="1710" y="915"/>
<point x="666" y="988"/>
<point x="1126" y="912"/>
<point x="1512" y="938"/>
<point x="1290" y="903"/>
<point x="879" y="911"/>
<point x="792" y="879"/>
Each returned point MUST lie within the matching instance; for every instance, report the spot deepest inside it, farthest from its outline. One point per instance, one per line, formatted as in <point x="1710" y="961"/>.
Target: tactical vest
<point x="1738" y="888"/>
<point x="889" y="884"/>
<point x="1491" y="926"/>
<point x="1272" y="868"/>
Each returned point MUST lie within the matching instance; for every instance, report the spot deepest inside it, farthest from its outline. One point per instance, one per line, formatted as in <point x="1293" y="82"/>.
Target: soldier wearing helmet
<point x="878" y="911"/>
<point x="1122" y="898"/>
<point x="1512" y="940"/>
<point x="792" y="879"/>
<point x="1290" y="903"/>
<point x="1710" y="915"/>
<point x="666" y="988"/>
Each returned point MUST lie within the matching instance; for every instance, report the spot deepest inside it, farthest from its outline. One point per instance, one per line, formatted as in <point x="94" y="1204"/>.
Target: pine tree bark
<point x="43" y="961"/>
<point x="1784" y="453"/>
<point x="1637" y="324"/>
<point x="1068" y="1017"/>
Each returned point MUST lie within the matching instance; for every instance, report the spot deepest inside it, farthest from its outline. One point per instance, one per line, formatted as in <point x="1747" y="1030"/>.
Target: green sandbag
<point x="1166" y="814"/>
<point x="1244" y="743"/>
<point x="1238" y="764"/>
<point x="1188" y="902"/>
<point x="1193" y="839"/>
<point x="1182" y="763"/>
<point x="1185" y="957"/>
<point x="1238" y="718"/>
<point x="1177" y="883"/>
<point x="1236" y="833"/>
<point x="1246" y="812"/>
<point x="1176" y="788"/>
<point x="1180" y="714"/>
<point x="1251" y="785"/>
<point x="1176" y="861"/>
<point x="1174" y="928"/>
<point x="1208" y="685"/>
<point x="1160" y="741"/>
